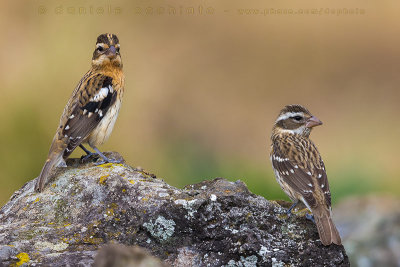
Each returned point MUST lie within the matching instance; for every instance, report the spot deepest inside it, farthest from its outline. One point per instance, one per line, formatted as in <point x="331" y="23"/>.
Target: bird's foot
<point x="310" y="217"/>
<point x="88" y="156"/>
<point x="104" y="158"/>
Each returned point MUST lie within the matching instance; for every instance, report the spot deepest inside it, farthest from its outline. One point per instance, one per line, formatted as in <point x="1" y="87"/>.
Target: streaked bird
<point x="92" y="109"/>
<point x="300" y="170"/>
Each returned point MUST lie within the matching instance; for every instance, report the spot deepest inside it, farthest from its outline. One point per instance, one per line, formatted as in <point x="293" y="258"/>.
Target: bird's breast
<point x="103" y="130"/>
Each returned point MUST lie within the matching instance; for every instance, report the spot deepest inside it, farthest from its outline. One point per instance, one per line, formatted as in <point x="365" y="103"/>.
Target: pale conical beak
<point x="312" y="122"/>
<point x="111" y="53"/>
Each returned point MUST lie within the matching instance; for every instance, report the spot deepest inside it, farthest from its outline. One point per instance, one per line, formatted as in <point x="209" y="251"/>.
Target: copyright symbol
<point x="42" y="10"/>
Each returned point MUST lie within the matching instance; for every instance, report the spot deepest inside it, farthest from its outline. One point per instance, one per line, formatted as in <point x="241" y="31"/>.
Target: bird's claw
<point x="85" y="158"/>
<point x="310" y="217"/>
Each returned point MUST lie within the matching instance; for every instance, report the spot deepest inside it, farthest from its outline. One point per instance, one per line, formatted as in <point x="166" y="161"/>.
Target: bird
<point x="92" y="109"/>
<point x="299" y="168"/>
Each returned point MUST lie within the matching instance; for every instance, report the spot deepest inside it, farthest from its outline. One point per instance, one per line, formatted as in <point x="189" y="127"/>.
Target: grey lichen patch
<point x="162" y="194"/>
<point x="43" y="245"/>
<point x="276" y="263"/>
<point x="263" y="251"/>
<point x="7" y="252"/>
<point x="293" y="230"/>
<point x="161" y="228"/>
<point x="61" y="211"/>
<point x="190" y="206"/>
<point x="250" y="261"/>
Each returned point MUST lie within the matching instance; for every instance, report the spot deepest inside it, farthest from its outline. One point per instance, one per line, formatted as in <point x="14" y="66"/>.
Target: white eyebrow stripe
<point x="288" y="115"/>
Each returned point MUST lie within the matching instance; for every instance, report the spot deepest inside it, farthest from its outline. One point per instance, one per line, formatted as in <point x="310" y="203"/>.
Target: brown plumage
<point x="92" y="109"/>
<point x="299" y="168"/>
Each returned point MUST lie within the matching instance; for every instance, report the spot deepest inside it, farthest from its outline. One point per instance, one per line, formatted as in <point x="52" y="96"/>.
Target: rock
<point x="213" y="223"/>
<point x="370" y="227"/>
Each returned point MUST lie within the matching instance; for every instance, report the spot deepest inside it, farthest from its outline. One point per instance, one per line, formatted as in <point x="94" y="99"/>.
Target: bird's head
<point x="107" y="51"/>
<point x="295" y="119"/>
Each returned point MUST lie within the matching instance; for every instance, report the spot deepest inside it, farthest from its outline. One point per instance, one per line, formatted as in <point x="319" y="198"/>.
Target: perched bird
<point x="300" y="170"/>
<point x="92" y="109"/>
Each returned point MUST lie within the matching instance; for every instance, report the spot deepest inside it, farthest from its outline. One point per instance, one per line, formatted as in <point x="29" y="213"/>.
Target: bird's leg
<point x="289" y="211"/>
<point x="85" y="149"/>
<point x="89" y="154"/>
<point x="310" y="217"/>
<point x="105" y="159"/>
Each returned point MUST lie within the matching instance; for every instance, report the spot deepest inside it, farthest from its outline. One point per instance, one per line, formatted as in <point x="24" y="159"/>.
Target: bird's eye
<point x="297" y="118"/>
<point x="100" y="48"/>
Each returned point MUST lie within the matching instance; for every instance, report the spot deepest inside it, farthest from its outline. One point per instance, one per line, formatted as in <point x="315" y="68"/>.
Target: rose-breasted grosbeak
<point x="92" y="109"/>
<point x="300" y="170"/>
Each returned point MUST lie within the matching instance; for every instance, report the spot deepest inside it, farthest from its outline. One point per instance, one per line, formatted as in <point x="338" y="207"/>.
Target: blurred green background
<point x="203" y="89"/>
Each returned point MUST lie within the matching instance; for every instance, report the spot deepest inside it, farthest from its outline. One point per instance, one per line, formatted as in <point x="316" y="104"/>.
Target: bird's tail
<point x="326" y="228"/>
<point x="54" y="159"/>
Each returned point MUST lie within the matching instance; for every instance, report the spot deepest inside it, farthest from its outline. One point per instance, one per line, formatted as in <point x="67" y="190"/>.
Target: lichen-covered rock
<point x="213" y="223"/>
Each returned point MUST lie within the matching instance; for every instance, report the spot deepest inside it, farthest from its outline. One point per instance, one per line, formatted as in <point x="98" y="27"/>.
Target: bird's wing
<point x="322" y="179"/>
<point x="303" y="172"/>
<point x="94" y="98"/>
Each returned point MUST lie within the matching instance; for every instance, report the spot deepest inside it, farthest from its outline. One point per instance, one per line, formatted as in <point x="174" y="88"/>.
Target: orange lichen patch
<point x="23" y="258"/>
<point x="110" y="212"/>
<point x="53" y="185"/>
<point x="282" y="216"/>
<point x="36" y="200"/>
<point x="301" y="212"/>
<point x="248" y="215"/>
<point x="123" y="190"/>
<point x="110" y="165"/>
<point x="102" y="179"/>
<point x="106" y="165"/>
<point x="132" y="181"/>
<point x="93" y="240"/>
<point x="112" y="235"/>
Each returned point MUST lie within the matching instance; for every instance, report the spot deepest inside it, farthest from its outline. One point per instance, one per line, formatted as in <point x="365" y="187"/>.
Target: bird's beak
<point x="112" y="53"/>
<point x="312" y="122"/>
